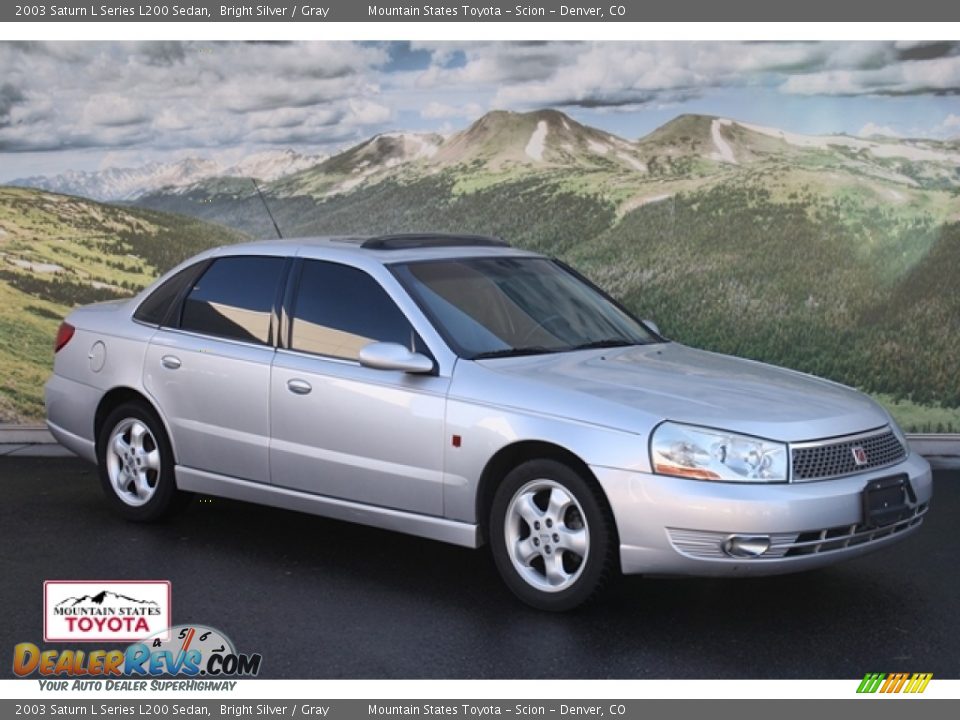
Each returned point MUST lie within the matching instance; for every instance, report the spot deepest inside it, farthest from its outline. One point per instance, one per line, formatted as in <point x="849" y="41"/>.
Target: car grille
<point x="838" y="538"/>
<point x="705" y="545"/>
<point x="834" y="458"/>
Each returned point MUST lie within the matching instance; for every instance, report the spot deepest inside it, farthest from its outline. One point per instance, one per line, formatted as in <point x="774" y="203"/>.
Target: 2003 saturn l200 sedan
<point x="456" y="388"/>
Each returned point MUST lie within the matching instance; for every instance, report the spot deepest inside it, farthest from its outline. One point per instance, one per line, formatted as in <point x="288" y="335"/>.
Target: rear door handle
<point x="170" y="361"/>
<point x="299" y="387"/>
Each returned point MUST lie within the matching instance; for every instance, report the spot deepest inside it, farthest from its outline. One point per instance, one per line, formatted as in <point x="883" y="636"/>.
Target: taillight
<point x="63" y="336"/>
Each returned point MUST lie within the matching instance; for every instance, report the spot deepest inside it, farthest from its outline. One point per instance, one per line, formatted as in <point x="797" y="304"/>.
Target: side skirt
<point x="435" y="528"/>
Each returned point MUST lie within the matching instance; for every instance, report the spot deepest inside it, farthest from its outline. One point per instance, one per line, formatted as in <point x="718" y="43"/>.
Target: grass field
<point x="58" y="251"/>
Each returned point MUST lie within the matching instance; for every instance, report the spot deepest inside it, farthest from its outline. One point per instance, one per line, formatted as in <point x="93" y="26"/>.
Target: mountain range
<point x="501" y="142"/>
<point x="113" y="184"/>
<point x="829" y="254"/>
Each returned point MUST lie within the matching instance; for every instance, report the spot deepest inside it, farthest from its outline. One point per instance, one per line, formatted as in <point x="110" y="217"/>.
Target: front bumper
<point x="673" y="526"/>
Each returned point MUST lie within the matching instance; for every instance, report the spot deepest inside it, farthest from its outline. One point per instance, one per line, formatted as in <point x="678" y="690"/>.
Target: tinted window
<point x="488" y="307"/>
<point x="339" y="309"/>
<point x="234" y="298"/>
<point x="154" y="310"/>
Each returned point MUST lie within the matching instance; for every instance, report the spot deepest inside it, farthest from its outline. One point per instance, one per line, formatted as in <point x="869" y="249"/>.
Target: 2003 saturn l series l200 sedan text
<point x="459" y="389"/>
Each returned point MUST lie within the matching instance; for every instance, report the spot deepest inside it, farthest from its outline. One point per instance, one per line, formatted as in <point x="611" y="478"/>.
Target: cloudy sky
<point x="91" y="105"/>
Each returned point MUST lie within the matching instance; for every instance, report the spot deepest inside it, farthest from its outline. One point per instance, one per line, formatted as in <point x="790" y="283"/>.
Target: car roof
<point x="385" y="249"/>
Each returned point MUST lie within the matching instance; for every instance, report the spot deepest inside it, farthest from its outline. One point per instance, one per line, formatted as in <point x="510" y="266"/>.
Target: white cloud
<point x="948" y="128"/>
<point x="602" y="74"/>
<point x="171" y="95"/>
<point x="436" y="109"/>
<point x="939" y="75"/>
<point x="872" y="128"/>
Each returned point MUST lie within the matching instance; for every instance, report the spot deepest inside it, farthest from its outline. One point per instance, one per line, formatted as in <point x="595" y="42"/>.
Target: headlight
<point x="706" y="454"/>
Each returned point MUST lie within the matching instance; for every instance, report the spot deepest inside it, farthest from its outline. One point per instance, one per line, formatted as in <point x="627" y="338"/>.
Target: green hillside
<point x="58" y="251"/>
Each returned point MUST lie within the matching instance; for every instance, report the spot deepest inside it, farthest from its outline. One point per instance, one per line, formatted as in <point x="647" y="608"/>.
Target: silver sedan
<point x="458" y="389"/>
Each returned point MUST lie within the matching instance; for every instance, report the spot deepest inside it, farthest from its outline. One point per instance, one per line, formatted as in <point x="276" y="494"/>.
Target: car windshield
<point x="503" y="306"/>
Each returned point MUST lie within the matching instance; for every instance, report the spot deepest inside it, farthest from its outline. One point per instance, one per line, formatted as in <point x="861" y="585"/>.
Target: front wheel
<point x="552" y="535"/>
<point x="136" y="464"/>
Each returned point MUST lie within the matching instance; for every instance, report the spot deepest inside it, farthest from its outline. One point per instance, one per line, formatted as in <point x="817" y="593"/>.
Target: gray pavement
<point x="324" y="599"/>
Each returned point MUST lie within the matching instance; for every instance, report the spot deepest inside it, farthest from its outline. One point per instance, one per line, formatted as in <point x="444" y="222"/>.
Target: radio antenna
<point x="267" y="208"/>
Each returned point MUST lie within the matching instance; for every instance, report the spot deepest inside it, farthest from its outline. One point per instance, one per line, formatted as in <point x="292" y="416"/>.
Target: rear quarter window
<point x="157" y="308"/>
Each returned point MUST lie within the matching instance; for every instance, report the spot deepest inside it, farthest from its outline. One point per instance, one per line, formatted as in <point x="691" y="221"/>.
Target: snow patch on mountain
<point x="598" y="147"/>
<point x="272" y="164"/>
<point x="641" y="200"/>
<point x="632" y="161"/>
<point x="537" y="141"/>
<point x="123" y="183"/>
<point x="417" y="146"/>
<point x="724" y="152"/>
<point x="37" y="267"/>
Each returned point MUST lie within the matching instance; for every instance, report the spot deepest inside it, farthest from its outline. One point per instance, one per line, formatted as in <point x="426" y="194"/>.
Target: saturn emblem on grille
<point x="859" y="455"/>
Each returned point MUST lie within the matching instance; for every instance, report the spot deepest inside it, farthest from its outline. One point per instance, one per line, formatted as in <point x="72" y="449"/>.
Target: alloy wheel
<point x="133" y="462"/>
<point x="547" y="537"/>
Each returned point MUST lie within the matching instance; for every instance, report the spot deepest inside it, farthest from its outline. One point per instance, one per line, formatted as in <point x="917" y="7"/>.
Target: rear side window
<point x="155" y="310"/>
<point x="234" y="298"/>
<point x="339" y="309"/>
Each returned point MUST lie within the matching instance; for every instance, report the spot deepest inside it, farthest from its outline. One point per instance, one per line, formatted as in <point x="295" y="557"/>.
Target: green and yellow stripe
<point x="894" y="682"/>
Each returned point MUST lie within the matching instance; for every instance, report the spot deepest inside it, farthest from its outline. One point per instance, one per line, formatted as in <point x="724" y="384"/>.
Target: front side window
<point x="488" y="307"/>
<point x="234" y="298"/>
<point x="339" y="309"/>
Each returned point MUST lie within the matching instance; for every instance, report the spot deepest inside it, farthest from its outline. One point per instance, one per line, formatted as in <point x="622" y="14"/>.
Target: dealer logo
<point x="201" y="656"/>
<point x="104" y="610"/>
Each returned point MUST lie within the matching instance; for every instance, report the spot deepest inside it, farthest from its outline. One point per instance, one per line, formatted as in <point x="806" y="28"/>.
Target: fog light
<point x="744" y="546"/>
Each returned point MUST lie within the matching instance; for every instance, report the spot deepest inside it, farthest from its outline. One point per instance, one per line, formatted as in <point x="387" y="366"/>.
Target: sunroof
<point x="429" y="240"/>
<point x="350" y="239"/>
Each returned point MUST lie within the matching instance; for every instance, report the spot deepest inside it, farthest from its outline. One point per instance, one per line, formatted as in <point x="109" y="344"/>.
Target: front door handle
<point x="299" y="387"/>
<point x="170" y="361"/>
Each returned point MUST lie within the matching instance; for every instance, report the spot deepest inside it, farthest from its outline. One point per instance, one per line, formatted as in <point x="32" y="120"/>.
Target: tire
<point x="136" y="465"/>
<point x="552" y="536"/>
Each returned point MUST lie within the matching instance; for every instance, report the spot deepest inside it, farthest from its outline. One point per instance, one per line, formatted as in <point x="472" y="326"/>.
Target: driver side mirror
<point x="393" y="356"/>
<point x="653" y="326"/>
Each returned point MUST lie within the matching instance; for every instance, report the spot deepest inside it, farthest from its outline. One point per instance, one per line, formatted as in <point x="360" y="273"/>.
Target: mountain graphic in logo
<point x="101" y="598"/>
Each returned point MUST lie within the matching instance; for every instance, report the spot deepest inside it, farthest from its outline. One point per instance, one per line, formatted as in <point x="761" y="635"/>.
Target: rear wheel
<point x="136" y="464"/>
<point x="552" y="535"/>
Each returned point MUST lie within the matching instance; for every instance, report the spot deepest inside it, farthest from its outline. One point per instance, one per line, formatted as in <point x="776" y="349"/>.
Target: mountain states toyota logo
<point x="104" y="611"/>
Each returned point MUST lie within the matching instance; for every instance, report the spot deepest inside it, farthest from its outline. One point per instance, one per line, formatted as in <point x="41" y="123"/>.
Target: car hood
<point x="635" y="388"/>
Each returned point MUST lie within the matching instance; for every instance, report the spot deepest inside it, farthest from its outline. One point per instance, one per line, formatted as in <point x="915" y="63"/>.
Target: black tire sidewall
<point x="600" y="560"/>
<point x="166" y="496"/>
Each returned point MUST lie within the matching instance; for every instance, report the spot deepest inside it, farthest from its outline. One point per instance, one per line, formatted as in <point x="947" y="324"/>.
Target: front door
<point x="347" y="431"/>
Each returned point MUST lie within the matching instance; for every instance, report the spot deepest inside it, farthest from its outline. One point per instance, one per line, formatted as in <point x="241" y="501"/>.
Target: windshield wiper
<point x="541" y="350"/>
<point x="611" y="343"/>
<point x="516" y="352"/>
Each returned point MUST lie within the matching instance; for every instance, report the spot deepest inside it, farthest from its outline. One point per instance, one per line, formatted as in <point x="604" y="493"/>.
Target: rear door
<point x="209" y="369"/>
<point x="347" y="431"/>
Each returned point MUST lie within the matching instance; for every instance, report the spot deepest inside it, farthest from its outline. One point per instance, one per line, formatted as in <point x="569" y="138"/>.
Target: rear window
<point x="235" y="298"/>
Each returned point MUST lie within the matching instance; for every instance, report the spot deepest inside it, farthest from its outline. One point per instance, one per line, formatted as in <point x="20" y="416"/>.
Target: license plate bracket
<point x="885" y="500"/>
